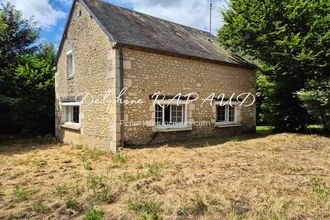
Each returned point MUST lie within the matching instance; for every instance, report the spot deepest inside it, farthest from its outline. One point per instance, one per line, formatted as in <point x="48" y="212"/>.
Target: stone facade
<point x="97" y="71"/>
<point x="150" y="72"/>
<point x="93" y="59"/>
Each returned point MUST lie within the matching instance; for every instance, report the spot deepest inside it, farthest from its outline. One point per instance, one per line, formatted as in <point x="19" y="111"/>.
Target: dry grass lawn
<point x="269" y="177"/>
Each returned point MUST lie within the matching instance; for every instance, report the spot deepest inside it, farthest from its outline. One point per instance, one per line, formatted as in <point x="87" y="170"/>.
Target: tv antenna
<point x="211" y="6"/>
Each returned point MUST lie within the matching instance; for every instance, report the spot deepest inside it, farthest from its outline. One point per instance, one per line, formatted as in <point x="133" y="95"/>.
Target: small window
<point x="69" y="64"/>
<point x="79" y="13"/>
<point x="170" y="116"/>
<point x="72" y="114"/>
<point x="226" y="114"/>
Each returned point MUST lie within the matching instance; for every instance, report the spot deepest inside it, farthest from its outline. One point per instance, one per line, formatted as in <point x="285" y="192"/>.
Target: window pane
<point x="221" y="113"/>
<point x="69" y="64"/>
<point x="231" y="113"/>
<point x="75" y="114"/>
<point x="159" y="115"/>
<point x="167" y="115"/>
<point x="176" y="113"/>
<point x="67" y="111"/>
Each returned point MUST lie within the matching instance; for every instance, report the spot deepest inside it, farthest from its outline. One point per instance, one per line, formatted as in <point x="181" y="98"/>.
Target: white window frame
<point x="66" y="114"/>
<point x="70" y="52"/>
<point x="227" y="122"/>
<point x="184" y="115"/>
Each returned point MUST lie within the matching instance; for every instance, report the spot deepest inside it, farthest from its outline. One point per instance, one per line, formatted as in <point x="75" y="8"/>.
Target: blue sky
<point x="52" y="14"/>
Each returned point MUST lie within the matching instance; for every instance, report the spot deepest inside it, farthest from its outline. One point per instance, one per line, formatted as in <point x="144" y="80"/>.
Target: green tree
<point x="34" y="111"/>
<point x="26" y="77"/>
<point x="289" y="40"/>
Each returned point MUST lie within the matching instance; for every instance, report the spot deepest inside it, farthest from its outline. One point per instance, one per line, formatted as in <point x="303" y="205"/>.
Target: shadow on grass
<point x="261" y="132"/>
<point x="17" y="144"/>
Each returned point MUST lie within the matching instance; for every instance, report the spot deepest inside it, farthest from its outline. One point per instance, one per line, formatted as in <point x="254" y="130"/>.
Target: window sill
<point x="69" y="77"/>
<point x="72" y="126"/>
<point x="164" y="129"/>
<point x="224" y="125"/>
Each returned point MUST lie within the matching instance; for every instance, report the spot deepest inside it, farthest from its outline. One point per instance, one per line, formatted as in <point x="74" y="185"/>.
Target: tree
<point x="34" y="111"/>
<point x="26" y="76"/>
<point x="290" y="42"/>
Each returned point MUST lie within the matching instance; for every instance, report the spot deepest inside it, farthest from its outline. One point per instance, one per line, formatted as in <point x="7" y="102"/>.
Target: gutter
<point x="121" y="87"/>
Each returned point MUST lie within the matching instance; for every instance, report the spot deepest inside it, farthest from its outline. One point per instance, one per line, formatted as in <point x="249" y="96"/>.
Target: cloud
<point x="194" y="13"/>
<point x="43" y="12"/>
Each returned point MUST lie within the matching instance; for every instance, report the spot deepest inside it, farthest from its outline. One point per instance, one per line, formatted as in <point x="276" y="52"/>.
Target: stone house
<point x="118" y="72"/>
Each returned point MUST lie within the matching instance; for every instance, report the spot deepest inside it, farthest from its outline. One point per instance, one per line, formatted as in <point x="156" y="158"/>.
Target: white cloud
<point x="194" y="13"/>
<point x="42" y="11"/>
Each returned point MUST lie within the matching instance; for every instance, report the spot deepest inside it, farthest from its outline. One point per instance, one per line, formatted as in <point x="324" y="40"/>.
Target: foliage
<point x="316" y="98"/>
<point x="26" y="76"/>
<point x="290" y="42"/>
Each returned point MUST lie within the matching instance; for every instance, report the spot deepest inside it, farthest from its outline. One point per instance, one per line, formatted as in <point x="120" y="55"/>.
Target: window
<point x="226" y="114"/>
<point x="170" y="116"/>
<point x="69" y="64"/>
<point x="71" y="114"/>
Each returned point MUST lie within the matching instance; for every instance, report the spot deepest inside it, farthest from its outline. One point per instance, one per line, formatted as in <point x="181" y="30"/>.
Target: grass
<point x="21" y="194"/>
<point x="264" y="130"/>
<point x="61" y="190"/>
<point x="119" y="158"/>
<point x="73" y="204"/>
<point x="145" y="209"/>
<point x="93" y="214"/>
<point x="154" y="168"/>
<point x="39" y="163"/>
<point x="263" y="176"/>
<point x="39" y="208"/>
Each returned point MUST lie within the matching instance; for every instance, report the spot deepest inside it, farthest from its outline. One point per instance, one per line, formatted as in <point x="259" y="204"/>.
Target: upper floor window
<point x="226" y="114"/>
<point x="69" y="64"/>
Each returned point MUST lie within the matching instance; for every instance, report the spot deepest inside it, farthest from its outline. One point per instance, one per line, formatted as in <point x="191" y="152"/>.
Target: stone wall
<point x="146" y="73"/>
<point x="94" y="73"/>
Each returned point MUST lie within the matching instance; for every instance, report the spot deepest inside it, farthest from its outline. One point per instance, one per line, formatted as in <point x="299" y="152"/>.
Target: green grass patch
<point x="264" y="130"/>
<point x="73" y="204"/>
<point x="154" y="168"/>
<point x="94" y="214"/>
<point x="119" y="158"/>
<point x="21" y="194"/>
<point x="146" y="209"/>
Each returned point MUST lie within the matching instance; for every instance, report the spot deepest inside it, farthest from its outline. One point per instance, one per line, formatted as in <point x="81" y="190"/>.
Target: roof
<point x="126" y="27"/>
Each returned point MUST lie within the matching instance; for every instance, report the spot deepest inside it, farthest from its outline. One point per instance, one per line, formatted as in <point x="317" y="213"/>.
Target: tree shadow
<point x="204" y="142"/>
<point x="20" y="145"/>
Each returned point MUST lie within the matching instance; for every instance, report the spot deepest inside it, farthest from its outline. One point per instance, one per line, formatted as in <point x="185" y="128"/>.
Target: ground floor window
<point x="71" y="114"/>
<point x="226" y="114"/>
<point x="170" y="115"/>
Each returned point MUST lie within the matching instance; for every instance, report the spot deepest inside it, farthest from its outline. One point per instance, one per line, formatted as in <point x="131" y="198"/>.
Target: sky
<point x="52" y="15"/>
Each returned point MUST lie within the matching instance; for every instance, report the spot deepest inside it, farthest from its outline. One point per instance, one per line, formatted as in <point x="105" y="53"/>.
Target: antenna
<point x="211" y="5"/>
